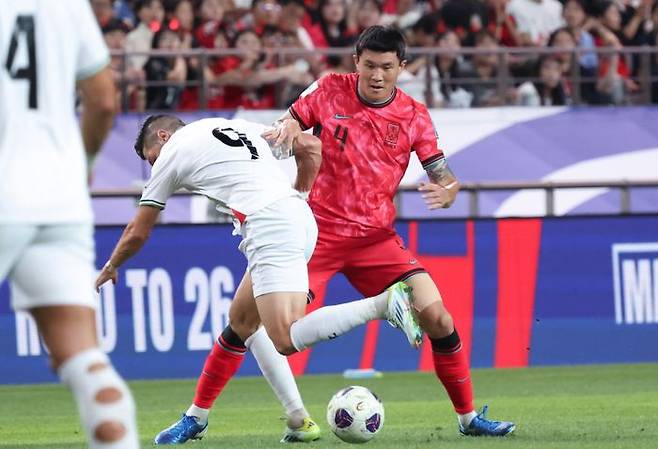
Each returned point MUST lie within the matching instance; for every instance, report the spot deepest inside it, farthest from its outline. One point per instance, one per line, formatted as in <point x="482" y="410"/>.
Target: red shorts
<point x="370" y="264"/>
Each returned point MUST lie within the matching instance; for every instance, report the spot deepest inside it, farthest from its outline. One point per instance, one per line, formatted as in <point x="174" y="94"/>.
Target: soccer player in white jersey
<point x="47" y="49"/>
<point x="229" y="162"/>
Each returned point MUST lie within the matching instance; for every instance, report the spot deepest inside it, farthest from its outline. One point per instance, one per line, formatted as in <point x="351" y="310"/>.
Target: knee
<point x="436" y="321"/>
<point x="106" y="405"/>
<point x="283" y="342"/>
<point x="108" y="430"/>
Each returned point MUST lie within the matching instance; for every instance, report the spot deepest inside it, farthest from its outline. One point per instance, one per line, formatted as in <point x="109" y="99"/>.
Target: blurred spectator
<point x="614" y="71"/>
<point x="501" y="24"/>
<point x="406" y="13"/>
<point x="483" y="72"/>
<point x="150" y="14"/>
<point x="637" y="26"/>
<point x="180" y="15"/>
<point x="249" y="79"/>
<point x="114" y="33"/>
<point x="332" y="30"/>
<point x="452" y="94"/>
<point x="123" y="11"/>
<point x="293" y="34"/>
<point x="564" y="39"/>
<point x="103" y="10"/>
<point x="652" y="39"/>
<point x="464" y="17"/>
<point x="535" y="20"/>
<point x="414" y="79"/>
<point x="575" y="17"/>
<point x="638" y="21"/>
<point x="363" y="14"/>
<point x="169" y="72"/>
<point x="209" y="16"/>
<point x="263" y="14"/>
<point x="548" y="90"/>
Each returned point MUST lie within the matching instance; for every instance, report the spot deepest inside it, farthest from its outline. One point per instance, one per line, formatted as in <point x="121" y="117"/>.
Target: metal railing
<point x="643" y="62"/>
<point x="474" y="190"/>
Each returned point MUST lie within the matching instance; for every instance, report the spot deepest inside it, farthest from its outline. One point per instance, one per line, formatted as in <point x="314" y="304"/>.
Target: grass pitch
<point x="598" y="407"/>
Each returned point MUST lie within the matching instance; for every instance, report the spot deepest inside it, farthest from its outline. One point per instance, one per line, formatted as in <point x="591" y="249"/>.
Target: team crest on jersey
<point x="392" y="133"/>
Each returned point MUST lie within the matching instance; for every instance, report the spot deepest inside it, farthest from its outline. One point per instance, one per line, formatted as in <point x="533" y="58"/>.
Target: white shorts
<point x="48" y="265"/>
<point x="278" y="241"/>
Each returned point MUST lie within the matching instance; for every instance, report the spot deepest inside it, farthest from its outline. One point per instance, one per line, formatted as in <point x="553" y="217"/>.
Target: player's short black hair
<point x="382" y="39"/>
<point x="148" y="128"/>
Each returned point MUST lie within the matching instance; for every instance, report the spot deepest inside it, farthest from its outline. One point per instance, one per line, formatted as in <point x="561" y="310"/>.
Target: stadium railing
<point x="644" y="71"/>
<point x="474" y="190"/>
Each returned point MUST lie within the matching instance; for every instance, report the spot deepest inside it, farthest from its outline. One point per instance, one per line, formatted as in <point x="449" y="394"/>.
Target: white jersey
<point x="226" y="160"/>
<point x="45" y="46"/>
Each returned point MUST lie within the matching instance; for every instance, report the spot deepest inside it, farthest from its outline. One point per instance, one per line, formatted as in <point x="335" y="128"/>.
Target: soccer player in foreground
<point x="368" y="128"/>
<point x="229" y="162"/>
<point x="48" y="49"/>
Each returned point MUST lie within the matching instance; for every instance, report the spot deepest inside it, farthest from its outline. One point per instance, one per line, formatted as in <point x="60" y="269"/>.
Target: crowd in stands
<point x="257" y="75"/>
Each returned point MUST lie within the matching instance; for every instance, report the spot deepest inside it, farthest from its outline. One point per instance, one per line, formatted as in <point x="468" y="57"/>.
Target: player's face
<point x="152" y="152"/>
<point x="378" y="73"/>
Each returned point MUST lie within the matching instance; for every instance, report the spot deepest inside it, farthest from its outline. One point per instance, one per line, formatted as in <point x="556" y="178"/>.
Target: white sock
<point x="89" y="374"/>
<point x="466" y="419"/>
<point x="327" y="323"/>
<point x="200" y="413"/>
<point x="276" y="370"/>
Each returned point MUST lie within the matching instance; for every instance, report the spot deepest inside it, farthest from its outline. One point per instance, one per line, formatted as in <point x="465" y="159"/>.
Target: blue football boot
<point x="186" y="429"/>
<point x="481" y="426"/>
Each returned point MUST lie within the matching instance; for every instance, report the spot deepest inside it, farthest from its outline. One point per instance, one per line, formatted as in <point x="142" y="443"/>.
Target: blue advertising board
<point x="523" y="292"/>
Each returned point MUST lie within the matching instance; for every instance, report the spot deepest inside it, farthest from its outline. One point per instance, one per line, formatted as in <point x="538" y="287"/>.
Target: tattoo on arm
<point x="439" y="173"/>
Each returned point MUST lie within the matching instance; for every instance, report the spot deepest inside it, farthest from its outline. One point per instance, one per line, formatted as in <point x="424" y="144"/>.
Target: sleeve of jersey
<point x="426" y="144"/>
<point x="92" y="55"/>
<point x="161" y="186"/>
<point x="304" y="109"/>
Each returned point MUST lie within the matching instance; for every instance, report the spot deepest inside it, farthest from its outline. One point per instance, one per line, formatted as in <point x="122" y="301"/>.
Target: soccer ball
<point x="355" y="414"/>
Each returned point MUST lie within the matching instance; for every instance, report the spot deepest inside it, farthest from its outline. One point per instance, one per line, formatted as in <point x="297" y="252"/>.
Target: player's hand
<point x="109" y="272"/>
<point x="437" y="196"/>
<point x="283" y="134"/>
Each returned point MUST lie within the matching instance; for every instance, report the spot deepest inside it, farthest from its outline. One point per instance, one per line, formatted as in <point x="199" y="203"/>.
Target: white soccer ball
<point x="355" y="414"/>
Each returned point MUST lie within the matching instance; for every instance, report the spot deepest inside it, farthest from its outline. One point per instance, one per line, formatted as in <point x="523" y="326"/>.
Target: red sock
<point x="221" y="364"/>
<point x="452" y="369"/>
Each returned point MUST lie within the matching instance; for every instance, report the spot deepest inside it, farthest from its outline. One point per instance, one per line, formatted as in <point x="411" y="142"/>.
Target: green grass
<point x="598" y="407"/>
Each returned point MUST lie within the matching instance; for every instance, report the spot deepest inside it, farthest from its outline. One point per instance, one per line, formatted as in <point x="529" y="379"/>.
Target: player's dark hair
<point x="382" y="39"/>
<point x="148" y="129"/>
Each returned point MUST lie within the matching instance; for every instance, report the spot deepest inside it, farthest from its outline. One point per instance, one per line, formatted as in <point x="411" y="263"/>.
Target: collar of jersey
<point x="374" y="105"/>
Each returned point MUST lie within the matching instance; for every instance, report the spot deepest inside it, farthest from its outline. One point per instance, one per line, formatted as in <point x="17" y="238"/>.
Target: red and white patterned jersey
<point x="365" y="153"/>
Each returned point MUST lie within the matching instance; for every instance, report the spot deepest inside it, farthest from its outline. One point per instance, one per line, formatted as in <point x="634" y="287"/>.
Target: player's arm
<point x="442" y="189"/>
<point x="98" y="109"/>
<point x="299" y="117"/>
<point x="131" y="241"/>
<point x="308" y="155"/>
<point x="283" y="135"/>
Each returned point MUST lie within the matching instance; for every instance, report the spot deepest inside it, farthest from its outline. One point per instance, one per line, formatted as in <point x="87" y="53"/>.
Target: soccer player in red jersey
<point x="368" y="128"/>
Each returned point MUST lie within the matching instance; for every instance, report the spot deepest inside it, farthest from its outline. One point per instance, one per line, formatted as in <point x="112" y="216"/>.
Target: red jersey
<point x="365" y="152"/>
